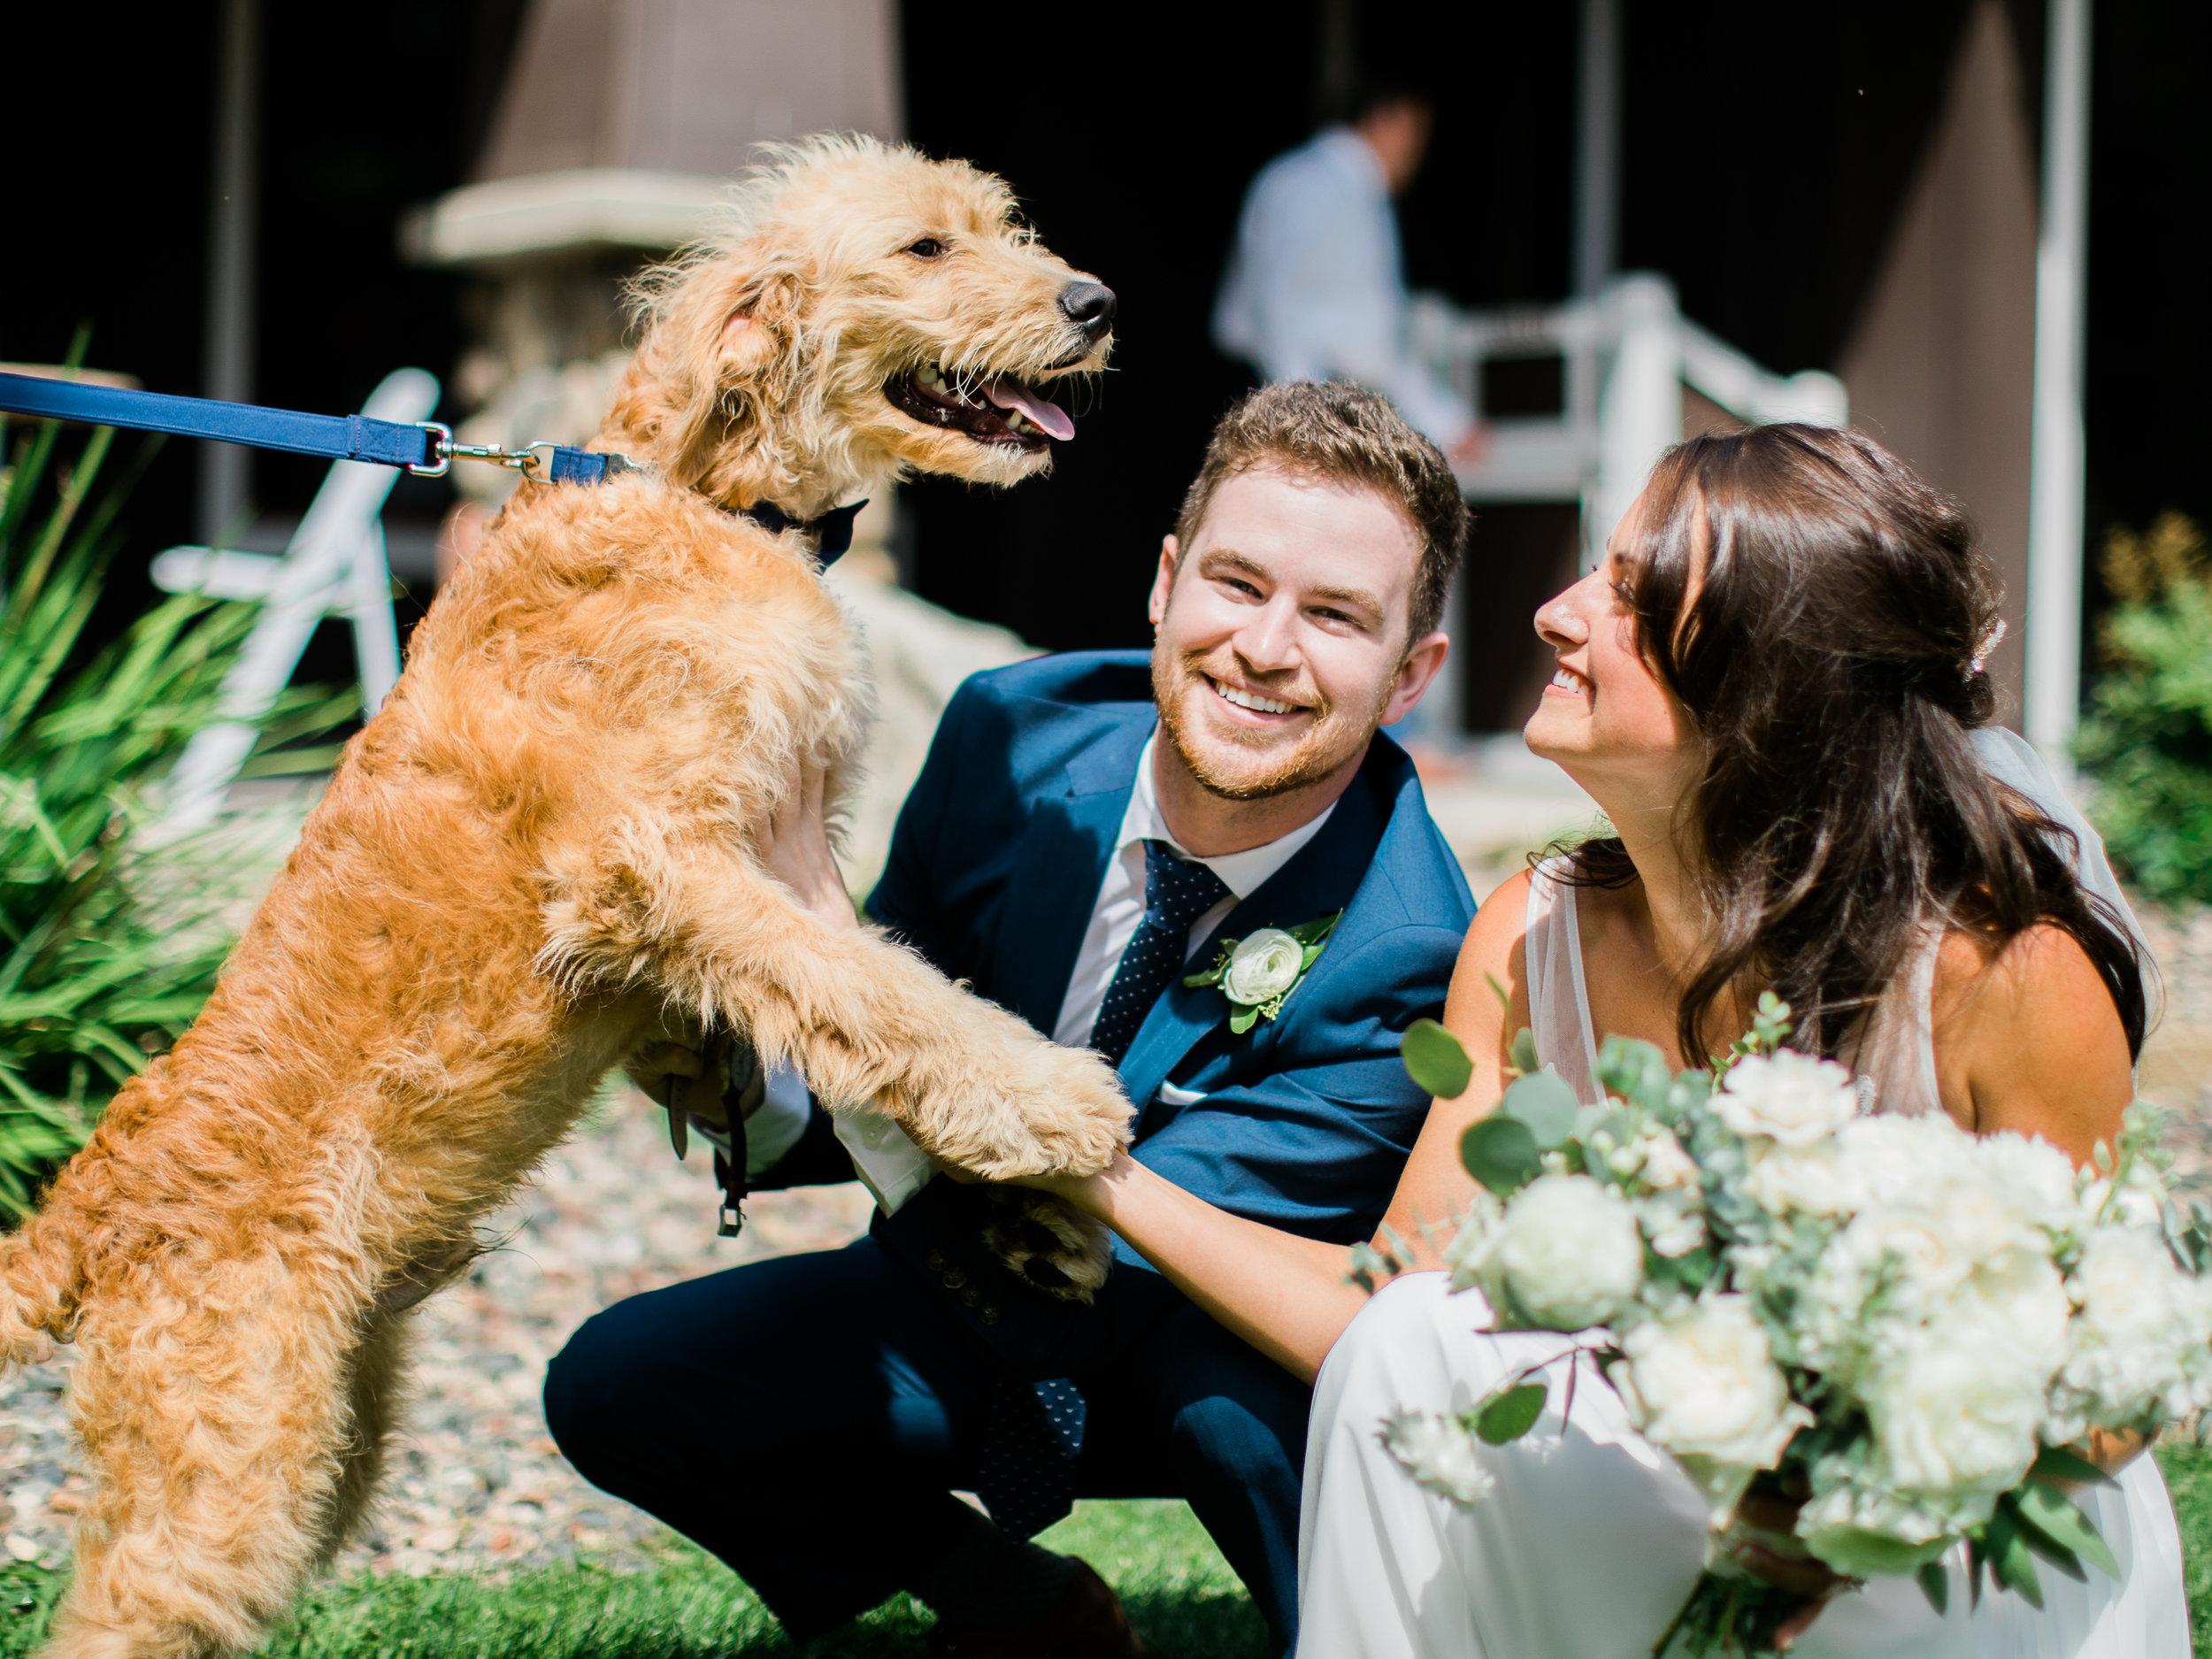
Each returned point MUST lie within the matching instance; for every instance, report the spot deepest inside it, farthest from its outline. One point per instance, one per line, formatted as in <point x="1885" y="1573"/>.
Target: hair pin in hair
<point x="1979" y="661"/>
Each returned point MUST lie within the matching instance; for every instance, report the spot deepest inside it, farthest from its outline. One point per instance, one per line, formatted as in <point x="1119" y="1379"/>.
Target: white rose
<point x="1954" y="1417"/>
<point x="1702" y="1383"/>
<point x="2140" y="1319"/>
<point x="1440" y="1454"/>
<point x="1672" y="1220"/>
<point x="1263" y="966"/>
<point x="1810" y="1181"/>
<point x="1570" y="1253"/>
<point x="1792" y="1099"/>
<point x="1662" y="1162"/>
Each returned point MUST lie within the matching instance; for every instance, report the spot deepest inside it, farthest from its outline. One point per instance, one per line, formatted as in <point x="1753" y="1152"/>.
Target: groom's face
<point x="1280" y="633"/>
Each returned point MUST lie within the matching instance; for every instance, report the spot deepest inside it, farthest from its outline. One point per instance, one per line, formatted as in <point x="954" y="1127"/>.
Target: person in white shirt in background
<point x="1314" y="288"/>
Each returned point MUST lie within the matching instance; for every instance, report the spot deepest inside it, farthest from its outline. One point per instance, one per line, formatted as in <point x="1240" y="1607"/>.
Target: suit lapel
<point x="1056" y="874"/>
<point x="1321" y="878"/>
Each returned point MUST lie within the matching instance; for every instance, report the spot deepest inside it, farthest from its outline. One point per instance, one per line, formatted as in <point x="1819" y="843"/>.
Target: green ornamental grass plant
<point x="2148" y="739"/>
<point x="104" y="962"/>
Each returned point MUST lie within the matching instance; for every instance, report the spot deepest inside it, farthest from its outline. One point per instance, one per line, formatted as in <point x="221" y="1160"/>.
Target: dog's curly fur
<point x="544" y="844"/>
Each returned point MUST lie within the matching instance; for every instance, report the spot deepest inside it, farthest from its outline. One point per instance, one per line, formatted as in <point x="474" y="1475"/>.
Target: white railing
<point x="1625" y="356"/>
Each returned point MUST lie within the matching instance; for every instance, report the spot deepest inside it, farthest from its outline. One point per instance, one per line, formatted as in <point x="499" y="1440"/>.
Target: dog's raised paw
<point x="1049" y="1244"/>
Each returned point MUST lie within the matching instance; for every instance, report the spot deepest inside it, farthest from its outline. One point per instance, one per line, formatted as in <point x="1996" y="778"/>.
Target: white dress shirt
<point x="894" y="1168"/>
<point x="1315" y="287"/>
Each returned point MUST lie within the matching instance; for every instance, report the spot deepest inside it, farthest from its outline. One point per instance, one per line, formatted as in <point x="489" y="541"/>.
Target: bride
<point x="1774" y="686"/>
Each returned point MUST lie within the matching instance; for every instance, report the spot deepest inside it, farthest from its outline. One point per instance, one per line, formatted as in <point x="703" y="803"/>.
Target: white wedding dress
<point x="1592" y="1537"/>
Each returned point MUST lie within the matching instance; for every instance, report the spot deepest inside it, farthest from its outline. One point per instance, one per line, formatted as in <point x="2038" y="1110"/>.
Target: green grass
<point x="2188" y="1471"/>
<point x="1181" y="1596"/>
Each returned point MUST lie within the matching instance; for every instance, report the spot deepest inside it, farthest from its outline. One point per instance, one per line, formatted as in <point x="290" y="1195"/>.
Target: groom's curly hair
<point x="1336" y="433"/>
<point x="1824" y="616"/>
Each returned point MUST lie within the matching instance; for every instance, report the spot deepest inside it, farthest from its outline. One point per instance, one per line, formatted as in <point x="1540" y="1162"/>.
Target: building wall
<point x="1940" y="364"/>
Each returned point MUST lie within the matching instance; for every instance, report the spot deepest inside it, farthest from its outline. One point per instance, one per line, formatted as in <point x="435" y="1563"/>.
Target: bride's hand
<point x="795" y="848"/>
<point x="1766" y="1546"/>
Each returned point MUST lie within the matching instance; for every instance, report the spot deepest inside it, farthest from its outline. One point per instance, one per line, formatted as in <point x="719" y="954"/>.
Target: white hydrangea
<point x="1788" y="1098"/>
<point x="1702" y="1383"/>
<point x="1570" y="1254"/>
<point x="2139" y="1340"/>
<point x="1440" y="1454"/>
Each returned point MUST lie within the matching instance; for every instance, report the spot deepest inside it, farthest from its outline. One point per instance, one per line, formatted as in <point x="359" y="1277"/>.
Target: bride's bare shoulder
<point x="2026" y="1031"/>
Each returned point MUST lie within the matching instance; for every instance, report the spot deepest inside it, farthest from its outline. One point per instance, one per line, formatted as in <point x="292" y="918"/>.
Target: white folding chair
<point x="336" y="564"/>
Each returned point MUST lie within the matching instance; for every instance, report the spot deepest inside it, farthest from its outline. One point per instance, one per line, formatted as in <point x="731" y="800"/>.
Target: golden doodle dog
<point x="549" y="841"/>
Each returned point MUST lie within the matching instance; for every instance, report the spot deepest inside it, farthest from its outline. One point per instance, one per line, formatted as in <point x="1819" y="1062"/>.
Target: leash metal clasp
<point x="526" y="460"/>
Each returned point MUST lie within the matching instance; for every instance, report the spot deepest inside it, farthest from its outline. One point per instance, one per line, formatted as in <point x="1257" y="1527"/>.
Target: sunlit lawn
<point x="1184" y="1602"/>
<point x="1181" y="1596"/>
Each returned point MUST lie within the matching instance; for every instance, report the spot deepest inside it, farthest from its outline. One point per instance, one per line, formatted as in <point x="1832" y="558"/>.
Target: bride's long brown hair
<point x="1822" y="614"/>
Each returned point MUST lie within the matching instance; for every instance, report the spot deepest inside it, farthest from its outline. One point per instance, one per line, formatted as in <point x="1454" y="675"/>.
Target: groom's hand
<point x="698" y="1077"/>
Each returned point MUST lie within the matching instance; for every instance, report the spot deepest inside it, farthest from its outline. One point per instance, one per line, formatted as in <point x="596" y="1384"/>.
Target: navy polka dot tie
<point x="1177" y="892"/>
<point x="1024" y="1473"/>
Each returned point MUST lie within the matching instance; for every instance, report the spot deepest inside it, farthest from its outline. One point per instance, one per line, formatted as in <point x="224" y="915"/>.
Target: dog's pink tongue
<point x="1009" y="393"/>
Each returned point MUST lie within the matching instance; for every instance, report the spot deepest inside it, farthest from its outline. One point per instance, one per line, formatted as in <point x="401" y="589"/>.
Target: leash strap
<point x="424" y="448"/>
<point x="338" y="437"/>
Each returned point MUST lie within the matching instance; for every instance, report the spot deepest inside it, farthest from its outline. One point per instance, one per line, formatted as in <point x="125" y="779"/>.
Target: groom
<point x="1085" y="826"/>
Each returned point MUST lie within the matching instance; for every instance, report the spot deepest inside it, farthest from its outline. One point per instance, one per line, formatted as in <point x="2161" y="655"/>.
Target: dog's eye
<point x="928" y="248"/>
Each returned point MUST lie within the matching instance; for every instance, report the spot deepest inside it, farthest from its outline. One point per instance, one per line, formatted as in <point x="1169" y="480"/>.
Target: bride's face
<point x="1605" y="718"/>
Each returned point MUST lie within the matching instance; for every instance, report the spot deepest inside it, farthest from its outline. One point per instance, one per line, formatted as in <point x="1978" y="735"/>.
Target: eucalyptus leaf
<point x="1506" y="1415"/>
<point x="2011" y="1562"/>
<point x="1546" y="1103"/>
<point x="2057" y="1464"/>
<point x="1243" y="1020"/>
<point x="1436" y="1060"/>
<point x="2058" y="1518"/>
<point x="1524" y="1060"/>
<point x="1500" y="1152"/>
<point x="1935" y="1584"/>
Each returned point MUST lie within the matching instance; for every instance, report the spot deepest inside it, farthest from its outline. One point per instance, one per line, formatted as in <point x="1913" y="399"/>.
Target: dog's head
<point x="872" y="312"/>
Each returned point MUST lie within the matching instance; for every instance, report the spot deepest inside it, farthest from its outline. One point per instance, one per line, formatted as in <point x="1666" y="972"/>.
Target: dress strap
<point x="1558" y="1000"/>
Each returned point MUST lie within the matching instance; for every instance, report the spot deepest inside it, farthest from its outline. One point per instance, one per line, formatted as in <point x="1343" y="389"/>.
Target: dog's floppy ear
<point x="727" y="352"/>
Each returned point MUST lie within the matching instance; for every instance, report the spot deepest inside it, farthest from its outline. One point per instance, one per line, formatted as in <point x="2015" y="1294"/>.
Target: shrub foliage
<point x="2148" y="737"/>
<point x="101" y="961"/>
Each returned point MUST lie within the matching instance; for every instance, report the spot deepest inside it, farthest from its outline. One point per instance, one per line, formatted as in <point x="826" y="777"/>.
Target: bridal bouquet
<point x="1901" y="1328"/>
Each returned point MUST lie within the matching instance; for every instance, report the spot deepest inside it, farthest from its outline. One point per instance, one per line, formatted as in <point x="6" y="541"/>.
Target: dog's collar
<point x="833" y="532"/>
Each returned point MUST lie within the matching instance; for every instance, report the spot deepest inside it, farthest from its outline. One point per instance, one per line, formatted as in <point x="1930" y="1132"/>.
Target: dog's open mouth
<point x="999" y="410"/>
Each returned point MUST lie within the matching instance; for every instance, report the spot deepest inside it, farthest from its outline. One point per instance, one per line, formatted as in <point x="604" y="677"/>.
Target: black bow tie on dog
<point x="833" y="532"/>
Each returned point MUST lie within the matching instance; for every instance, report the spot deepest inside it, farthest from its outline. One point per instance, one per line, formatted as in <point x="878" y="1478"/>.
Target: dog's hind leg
<point x="376" y="1395"/>
<point x="213" y="1408"/>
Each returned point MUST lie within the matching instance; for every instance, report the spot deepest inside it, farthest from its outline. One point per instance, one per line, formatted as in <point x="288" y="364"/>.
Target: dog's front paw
<point x="1048" y="1244"/>
<point x="1071" y="1119"/>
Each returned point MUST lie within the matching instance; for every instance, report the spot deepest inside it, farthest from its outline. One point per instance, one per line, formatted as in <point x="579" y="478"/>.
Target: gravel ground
<point x="475" y="1483"/>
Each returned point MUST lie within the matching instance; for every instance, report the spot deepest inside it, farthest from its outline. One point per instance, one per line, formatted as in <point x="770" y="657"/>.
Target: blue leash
<point x="424" y="448"/>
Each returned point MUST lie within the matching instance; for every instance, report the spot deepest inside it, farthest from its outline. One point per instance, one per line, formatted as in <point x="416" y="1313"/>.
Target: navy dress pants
<point x="808" y="1417"/>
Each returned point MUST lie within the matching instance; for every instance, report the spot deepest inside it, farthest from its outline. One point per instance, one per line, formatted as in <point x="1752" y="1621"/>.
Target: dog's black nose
<point x="1089" y="306"/>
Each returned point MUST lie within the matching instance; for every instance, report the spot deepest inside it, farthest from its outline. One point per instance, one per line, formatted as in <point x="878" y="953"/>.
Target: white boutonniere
<point x="1257" y="972"/>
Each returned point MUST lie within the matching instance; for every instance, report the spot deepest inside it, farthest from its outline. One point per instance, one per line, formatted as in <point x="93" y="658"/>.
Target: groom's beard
<point x="1240" y="766"/>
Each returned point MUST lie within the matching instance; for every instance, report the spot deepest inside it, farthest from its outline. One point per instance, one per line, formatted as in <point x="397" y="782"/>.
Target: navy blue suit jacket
<point x="1305" y="1121"/>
